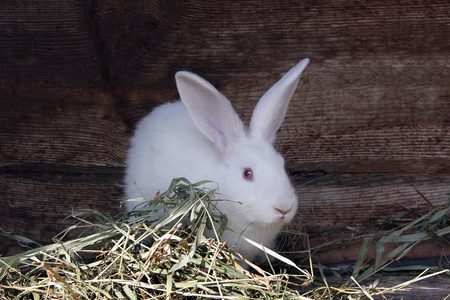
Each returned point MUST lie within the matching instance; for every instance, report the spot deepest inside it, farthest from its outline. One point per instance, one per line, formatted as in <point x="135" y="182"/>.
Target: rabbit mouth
<point x="282" y="220"/>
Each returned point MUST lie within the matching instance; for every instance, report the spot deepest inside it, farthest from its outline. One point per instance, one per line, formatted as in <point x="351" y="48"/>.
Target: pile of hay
<point x="169" y="257"/>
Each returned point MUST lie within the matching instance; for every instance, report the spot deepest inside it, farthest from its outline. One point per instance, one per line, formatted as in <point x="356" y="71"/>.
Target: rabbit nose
<point x="281" y="211"/>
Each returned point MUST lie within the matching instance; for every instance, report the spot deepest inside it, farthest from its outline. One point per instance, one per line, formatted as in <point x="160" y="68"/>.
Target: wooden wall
<point x="367" y="128"/>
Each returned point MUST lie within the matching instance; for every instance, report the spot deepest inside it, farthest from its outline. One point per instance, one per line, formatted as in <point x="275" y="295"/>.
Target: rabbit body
<point x="201" y="137"/>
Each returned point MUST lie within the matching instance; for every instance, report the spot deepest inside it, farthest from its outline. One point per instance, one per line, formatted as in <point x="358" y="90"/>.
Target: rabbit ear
<point x="210" y="111"/>
<point x="271" y="109"/>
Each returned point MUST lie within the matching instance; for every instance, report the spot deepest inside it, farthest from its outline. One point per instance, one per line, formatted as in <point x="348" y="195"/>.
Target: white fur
<point x="202" y="138"/>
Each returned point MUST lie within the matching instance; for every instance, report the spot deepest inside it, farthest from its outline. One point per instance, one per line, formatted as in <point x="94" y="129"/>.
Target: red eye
<point x="248" y="174"/>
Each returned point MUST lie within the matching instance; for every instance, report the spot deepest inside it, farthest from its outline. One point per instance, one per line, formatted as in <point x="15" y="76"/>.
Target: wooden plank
<point x="78" y="127"/>
<point x="217" y="39"/>
<point x="344" y="247"/>
<point x="432" y="288"/>
<point x="373" y="123"/>
<point x="330" y="202"/>
<point x="37" y="207"/>
<point x="49" y="43"/>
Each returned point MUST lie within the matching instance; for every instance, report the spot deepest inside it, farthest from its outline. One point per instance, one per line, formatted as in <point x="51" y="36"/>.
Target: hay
<point x="169" y="258"/>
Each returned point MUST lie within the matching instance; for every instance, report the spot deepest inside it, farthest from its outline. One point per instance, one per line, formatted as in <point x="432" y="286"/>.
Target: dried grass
<point x="169" y="258"/>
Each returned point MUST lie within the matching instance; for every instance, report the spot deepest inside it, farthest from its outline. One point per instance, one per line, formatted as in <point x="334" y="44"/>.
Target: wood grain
<point x="361" y="201"/>
<point x="367" y="128"/>
<point x="431" y="288"/>
<point x="78" y="127"/>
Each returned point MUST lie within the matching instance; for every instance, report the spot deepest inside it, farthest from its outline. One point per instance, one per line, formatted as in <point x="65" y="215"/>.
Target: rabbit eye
<point x="247" y="174"/>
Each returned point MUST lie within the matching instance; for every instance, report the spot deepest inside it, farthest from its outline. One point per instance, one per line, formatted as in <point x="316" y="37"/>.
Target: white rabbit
<point x="201" y="137"/>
